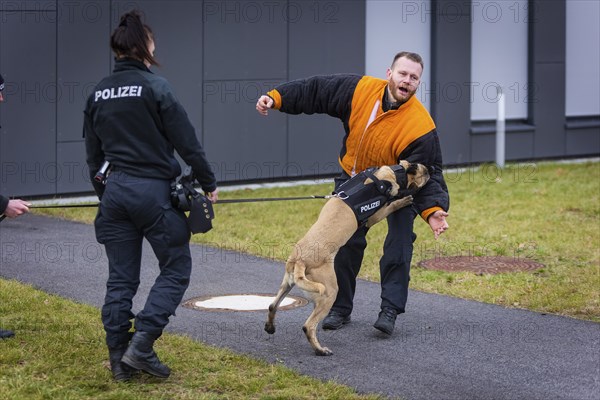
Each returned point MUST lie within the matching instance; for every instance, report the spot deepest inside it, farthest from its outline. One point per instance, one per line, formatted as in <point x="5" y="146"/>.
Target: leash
<point x="232" y="201"/>
<point x="226" y="201"/>
<point x="66" y="205"/>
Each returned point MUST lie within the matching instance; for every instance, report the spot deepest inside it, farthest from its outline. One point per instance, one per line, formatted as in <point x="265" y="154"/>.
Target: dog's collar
<point x="401" y="178"/>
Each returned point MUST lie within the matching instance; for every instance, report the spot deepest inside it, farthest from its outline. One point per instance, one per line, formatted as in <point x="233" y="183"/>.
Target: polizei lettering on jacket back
<point x="118" y="92"/>
<point x="369" y="207"/>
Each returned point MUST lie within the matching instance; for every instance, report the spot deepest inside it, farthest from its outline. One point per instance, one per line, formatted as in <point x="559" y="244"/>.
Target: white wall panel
<point x="499" y="43"/>
<point x="583" y="58"/>
<point x="394" y="26"/>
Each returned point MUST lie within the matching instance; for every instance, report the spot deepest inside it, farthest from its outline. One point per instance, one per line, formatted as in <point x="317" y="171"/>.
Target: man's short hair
<point x="411" y="56"/>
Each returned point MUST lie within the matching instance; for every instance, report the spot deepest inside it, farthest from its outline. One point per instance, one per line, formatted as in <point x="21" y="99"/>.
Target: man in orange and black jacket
<point x="384" y="123"/>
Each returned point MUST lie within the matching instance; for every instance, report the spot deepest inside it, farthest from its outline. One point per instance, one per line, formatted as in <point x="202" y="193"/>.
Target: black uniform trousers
<point x="394" y="265"/>
<point x="132" y="209"/>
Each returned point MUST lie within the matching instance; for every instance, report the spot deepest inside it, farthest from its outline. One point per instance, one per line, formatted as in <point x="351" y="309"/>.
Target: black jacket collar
<point x="388" y="105"/>
<point x="127" y="64"/>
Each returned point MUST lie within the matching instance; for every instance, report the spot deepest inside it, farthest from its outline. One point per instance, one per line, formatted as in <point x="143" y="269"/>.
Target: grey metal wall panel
<point x="548" y="19"/>
<point x="177" y="28"/>
<point x="549" y="110"/>
<point x="245" y="55"/>
<point x="82" y="60"/>
<point x="245" y="40"/>
<point x="584" y="141"/>
<point x="451" y="72"/>
<point x="34" y="6"/>
<point x="547" y="92"/>
<point x="451" y="11"/>
<point x="28" y="116"/>
<point x="314" y="144"/>
<point x="240" y="143"/>
<point x="72" y="171"/>
<point x="325" y="38"/>
<point x="519" y="146"/>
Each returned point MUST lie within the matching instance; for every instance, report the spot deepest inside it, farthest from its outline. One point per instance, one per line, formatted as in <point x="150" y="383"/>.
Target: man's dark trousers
<point x="132" y="209"/>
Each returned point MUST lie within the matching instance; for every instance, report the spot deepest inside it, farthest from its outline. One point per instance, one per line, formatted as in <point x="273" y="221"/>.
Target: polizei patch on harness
<point x="364" y="200"/>
<point x="371" y="206"/>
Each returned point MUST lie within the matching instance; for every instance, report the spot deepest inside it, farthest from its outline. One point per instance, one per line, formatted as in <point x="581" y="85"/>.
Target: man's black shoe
<point x="334" y="321"/>
<point x="4" y="334"/>
<point x="386" y="321"/>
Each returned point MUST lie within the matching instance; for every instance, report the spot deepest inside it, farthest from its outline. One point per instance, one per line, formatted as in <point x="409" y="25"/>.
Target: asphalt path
<point x="443" y="347"/>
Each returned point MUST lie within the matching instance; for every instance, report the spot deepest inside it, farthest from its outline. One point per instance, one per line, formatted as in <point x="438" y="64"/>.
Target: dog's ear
<point x="405" y="164"/>
<point x="412" y="169"/>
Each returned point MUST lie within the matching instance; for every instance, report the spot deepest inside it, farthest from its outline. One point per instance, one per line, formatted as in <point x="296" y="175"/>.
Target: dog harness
<point x="366" y="200"/>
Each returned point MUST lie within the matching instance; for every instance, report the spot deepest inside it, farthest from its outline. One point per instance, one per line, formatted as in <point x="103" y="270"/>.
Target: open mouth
<point x="403" y="90"/>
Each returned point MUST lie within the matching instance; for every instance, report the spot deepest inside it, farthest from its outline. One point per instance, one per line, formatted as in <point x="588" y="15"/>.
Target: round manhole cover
<point x="481" y="265"/>
<point x="242" y="302"/>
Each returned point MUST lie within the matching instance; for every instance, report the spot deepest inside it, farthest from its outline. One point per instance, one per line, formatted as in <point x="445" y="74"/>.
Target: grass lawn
<point x="59" y="353"/>
<point x="546" y="212"/>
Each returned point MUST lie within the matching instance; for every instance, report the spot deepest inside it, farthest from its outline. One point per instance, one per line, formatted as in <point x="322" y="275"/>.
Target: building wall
<point x="221" y="55"/>
<point x="394" y="26"/>
<point x="582" y="76"/>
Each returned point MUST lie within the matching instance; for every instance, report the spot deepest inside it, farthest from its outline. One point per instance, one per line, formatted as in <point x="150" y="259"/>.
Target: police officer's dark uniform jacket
<point x="3" y="204"/>
<point x="3" y="200"/>
<point x="133" y="120"/>
<point x="140" y="122"/>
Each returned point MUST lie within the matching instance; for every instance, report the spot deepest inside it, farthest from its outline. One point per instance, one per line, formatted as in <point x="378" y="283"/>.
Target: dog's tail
<point x="303" y="282"/>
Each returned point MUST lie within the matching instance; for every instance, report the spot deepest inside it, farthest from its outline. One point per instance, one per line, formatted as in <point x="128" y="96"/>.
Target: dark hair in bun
<point x="130" y="38"/>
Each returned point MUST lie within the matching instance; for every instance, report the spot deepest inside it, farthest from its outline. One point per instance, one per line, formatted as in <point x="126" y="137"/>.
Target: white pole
<point x="500" y="130"/>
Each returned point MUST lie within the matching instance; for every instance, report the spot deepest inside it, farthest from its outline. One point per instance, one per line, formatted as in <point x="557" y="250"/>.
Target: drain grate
<point x="481" y="265"/>
<point x="242" y="302"/>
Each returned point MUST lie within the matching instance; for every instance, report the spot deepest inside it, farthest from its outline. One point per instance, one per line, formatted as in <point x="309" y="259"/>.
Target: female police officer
<point x="133" y="120"/>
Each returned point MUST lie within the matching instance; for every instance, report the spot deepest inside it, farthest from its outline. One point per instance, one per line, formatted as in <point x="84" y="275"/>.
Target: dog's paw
<point x="270" y="328"/>
<point x="403" y="202"/>
<point x="323" y="352"/>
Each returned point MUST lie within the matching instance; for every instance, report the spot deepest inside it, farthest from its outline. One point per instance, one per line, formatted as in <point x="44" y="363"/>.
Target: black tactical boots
<point x="141" y="356"/>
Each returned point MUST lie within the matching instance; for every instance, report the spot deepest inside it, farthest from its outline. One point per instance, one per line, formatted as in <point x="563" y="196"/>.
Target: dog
<point x="310" y="266"/>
